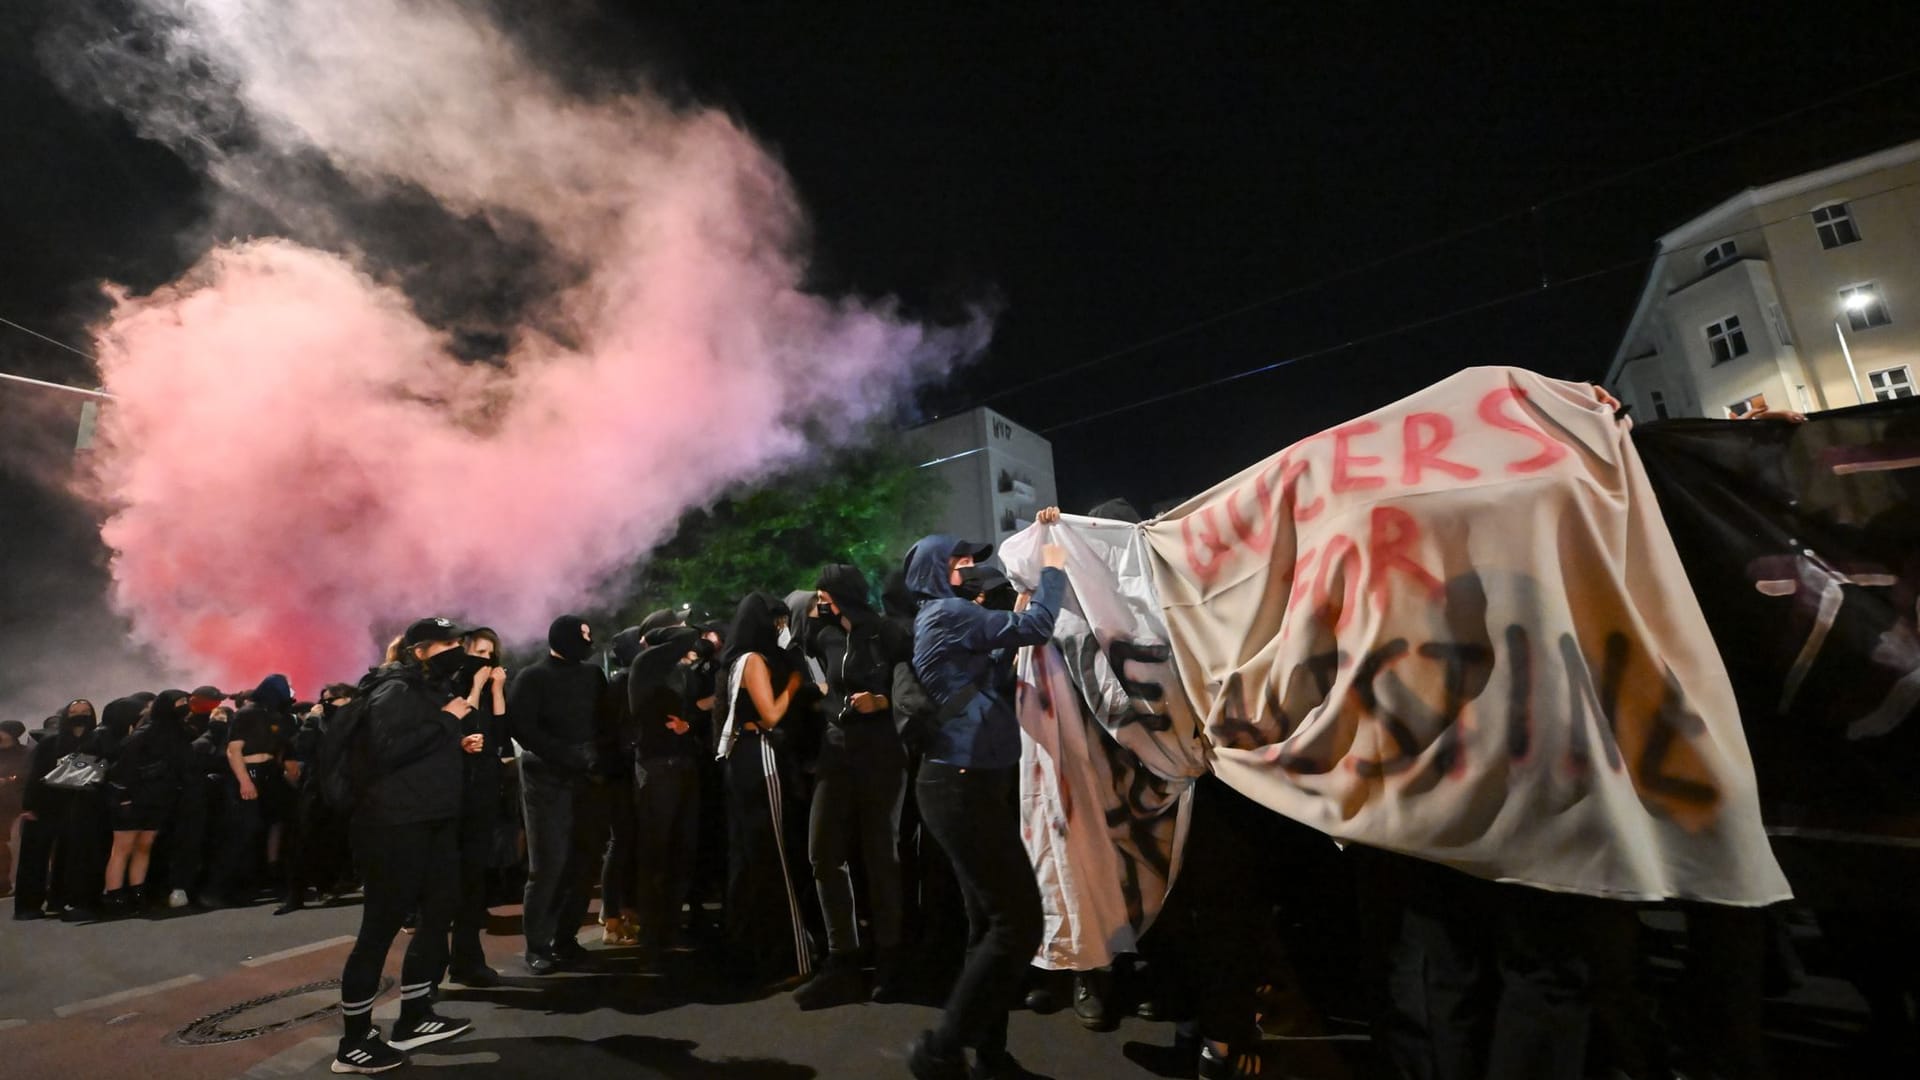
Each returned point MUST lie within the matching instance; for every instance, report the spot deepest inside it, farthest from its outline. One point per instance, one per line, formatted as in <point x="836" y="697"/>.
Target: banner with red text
<point x="1457" y="628"/>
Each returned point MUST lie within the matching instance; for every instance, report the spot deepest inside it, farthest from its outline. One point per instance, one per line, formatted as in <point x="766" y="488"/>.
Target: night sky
<point x="1109" y="175"/>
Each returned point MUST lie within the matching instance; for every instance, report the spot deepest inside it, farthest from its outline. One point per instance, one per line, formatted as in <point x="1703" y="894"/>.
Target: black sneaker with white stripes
<point x="368" y="1055"/>
<point x="426" y="1028"/>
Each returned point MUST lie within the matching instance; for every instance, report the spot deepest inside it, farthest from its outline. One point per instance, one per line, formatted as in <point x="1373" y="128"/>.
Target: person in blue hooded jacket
<point x="966" y="792"/>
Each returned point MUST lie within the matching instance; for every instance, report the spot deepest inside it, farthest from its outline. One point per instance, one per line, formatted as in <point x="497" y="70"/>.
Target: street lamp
<point x="1856" y="300"/>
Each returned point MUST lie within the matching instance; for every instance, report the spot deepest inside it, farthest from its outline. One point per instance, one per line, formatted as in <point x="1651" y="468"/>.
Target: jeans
<point x="862" y="781"/>
<point x="973" y="815"/>
<point x="617" y="876"/>
<point x="667" y="830"/>
<point x="407" y="867"/>
<point x="561" y="847"/>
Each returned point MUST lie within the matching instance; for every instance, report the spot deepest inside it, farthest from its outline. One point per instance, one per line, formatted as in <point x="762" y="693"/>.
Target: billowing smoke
<point x="297" y="457"/>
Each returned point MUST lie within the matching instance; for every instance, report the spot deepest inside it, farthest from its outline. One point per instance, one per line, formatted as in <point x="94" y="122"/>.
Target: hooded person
<point x="257" y="800"/>
<point x="184" y="841"/>
<point x="405" y="830"/>
<point x="143" y="785"/>
<point x="670" y="742"/>
<point x="48" y="850"/>
<point x="967" y="787"/>
<point x="558" y="707"/>
<point x="859" y="785"/>
<point x="766" y="934"/>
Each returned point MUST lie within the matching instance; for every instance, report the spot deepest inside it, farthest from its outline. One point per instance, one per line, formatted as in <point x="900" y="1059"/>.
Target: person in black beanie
<point x="556" y="705"/>
<point x="405" y="830"/>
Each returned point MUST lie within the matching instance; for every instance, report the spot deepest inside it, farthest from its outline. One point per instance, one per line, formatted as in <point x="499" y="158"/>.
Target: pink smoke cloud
<point x="296" y="461"/>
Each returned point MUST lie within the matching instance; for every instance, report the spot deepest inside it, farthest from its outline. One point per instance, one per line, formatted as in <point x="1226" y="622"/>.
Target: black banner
<point x="1802" y="542"/>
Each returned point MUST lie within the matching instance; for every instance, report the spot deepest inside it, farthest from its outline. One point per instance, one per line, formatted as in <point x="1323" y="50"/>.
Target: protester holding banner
<point x="962" y="655"/>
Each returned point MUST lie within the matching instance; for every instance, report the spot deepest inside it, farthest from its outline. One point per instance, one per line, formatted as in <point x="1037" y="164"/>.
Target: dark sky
<point x="1113" y="174"/>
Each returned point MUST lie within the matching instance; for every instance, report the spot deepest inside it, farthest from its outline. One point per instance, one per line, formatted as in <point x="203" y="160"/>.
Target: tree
<point x="864" y="505"/>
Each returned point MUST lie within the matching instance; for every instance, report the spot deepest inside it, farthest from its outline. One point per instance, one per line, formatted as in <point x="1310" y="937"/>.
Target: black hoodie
<point x="861" y="658"/>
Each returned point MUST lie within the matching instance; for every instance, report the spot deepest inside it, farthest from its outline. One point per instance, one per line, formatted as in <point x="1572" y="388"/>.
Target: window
<point x="1747" y="407"/>
<point x="1835" y="226"/>
<point x="1659" y="404"/>
<point x="1726" y="339"/>
<point x="1866" y="308"/>
<point x="1893" y="382"/>
<point x="1720" y="253"/>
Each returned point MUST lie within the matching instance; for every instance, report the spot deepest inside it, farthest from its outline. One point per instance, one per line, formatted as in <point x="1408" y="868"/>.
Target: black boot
<point x="889" y="981"/>
<point x="1092" y="999"/>
<point x="836" y="983"/>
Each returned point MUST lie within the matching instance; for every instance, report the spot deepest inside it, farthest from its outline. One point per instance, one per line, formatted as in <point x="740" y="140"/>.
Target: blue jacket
<point x="954" y="642"/>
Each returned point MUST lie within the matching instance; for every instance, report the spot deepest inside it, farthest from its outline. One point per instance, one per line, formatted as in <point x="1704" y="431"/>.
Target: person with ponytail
<point x="766" y="935"/>
<point x="405" y="830"/>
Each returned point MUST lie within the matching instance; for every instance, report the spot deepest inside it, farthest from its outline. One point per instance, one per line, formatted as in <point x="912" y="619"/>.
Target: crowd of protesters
<point x="836" y="778"/>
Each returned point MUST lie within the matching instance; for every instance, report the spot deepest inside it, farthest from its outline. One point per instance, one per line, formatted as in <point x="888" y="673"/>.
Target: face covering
<point x="567" y="638"/>
<point x="446" y="665"/>
<point x="471" y="666"/>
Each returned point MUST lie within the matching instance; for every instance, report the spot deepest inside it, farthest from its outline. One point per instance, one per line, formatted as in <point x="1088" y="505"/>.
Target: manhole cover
<point x="266" y="1015"/>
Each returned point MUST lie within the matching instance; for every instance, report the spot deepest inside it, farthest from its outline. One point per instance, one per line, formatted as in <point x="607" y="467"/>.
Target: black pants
<point x="861" y="782"/>
<point x="408" y="867"/>
<point x="618" y="866"/>
<point x="183" y="843"/>
<point x="39" y="881"/>
<point x="562" y="844"/>
<point x="973" y="815"/>
<point x="479" y="820"/>
<point x="86" y="839"/>
<point x="766" y="931"/>
<point x="243" y="827"/>
<point x="1484" y="980"/>
<point x="317" y="848"/>
<point x="666" y="835"/>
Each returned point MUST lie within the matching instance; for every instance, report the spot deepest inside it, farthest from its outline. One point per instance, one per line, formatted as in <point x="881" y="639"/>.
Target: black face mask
<point x="447" y="665"/>
<point x="471" y="666"/>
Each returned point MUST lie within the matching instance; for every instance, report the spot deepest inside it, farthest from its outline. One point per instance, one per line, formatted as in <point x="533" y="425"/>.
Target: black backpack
<point x="345" y="767"/>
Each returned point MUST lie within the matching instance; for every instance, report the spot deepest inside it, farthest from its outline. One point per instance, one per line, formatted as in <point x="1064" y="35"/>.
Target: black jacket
<point x="416" y="773"/>
<point x="558" y="709"/>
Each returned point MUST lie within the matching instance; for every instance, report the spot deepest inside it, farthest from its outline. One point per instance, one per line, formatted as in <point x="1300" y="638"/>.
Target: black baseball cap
<point x="966" y="548"/>
<point x="423" y="631"/>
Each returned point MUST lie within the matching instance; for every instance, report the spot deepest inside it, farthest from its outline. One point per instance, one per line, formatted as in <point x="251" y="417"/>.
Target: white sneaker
<point x="177" y="898"/>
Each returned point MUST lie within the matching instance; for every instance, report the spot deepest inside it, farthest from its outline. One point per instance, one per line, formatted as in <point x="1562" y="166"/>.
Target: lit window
<point x="1659" y="404"/>
<point x="1866" y="308"/>
<point x="1835" y="226"/>
<point x="1893" y="382"/>
<point x="1726" y="339"/>
<point x="1747" y="407"/>
<point x="1720" y="253"/>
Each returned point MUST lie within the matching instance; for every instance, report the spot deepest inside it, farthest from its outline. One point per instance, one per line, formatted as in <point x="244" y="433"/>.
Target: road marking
<point x="297" y="950"/>
<point x="9" y="1025"/>
<point x="295" y="1059"/>
<point x="105" y="1000"/>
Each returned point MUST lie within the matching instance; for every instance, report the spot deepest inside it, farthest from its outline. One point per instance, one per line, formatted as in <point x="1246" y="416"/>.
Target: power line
<point x="1445" y="316"/>
<point x="51" y="341"/>
<point x="1448" y="237"/>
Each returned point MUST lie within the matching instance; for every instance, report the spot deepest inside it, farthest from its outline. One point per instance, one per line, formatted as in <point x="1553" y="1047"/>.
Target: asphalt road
<point x="107" y="999"/>
<point x="111" y="999"/>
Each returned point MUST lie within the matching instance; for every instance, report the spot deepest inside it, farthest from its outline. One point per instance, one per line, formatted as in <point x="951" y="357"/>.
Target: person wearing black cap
<point x="966" y="790"/>
<point x="861" y="782"/>
<point x="557" y="705"/>
<point x="405" y="838"/>
<point x="670" y="735"/>
<point x="184" y="840"/>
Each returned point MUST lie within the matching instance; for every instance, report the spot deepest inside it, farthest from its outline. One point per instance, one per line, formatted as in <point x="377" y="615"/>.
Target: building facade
<point x="1803" y="295"/>
<point x="997" y="474"/>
